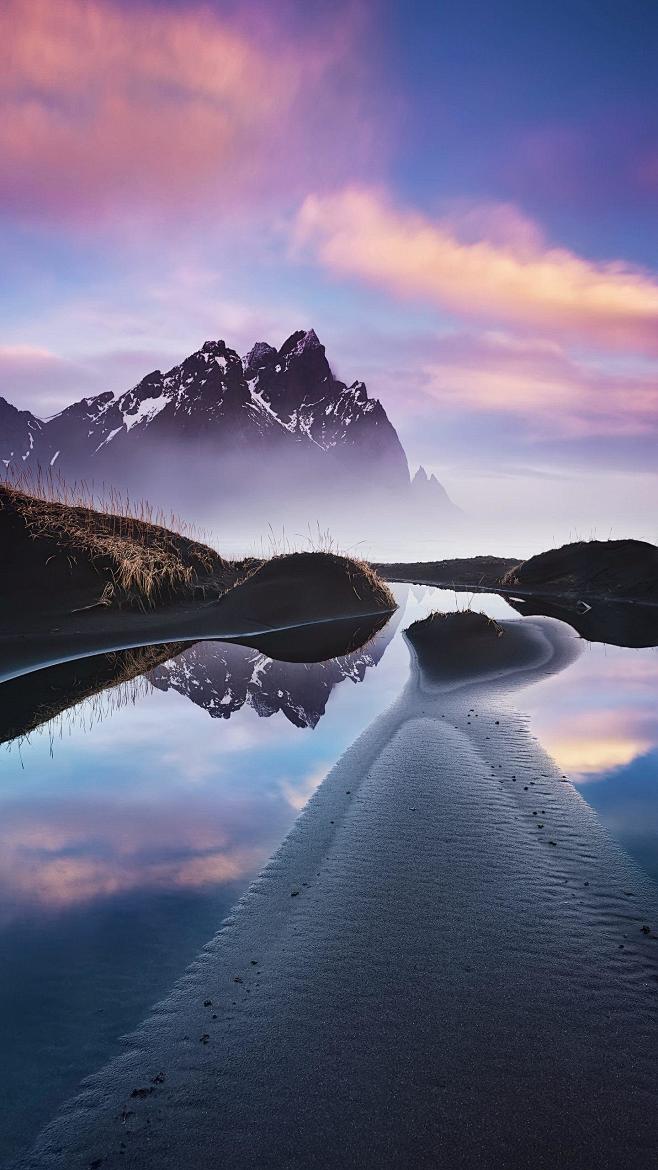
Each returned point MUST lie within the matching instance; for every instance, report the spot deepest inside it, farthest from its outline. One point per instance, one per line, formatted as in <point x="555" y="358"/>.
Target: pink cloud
<point x="507" y="275"/>
<point x="537" y="380"/>
<point x="601" y="715"/>
<point x="59" y="857"/>
<point x="111" y="108"/>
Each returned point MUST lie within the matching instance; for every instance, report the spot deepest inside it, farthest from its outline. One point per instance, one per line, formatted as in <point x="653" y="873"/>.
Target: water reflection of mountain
<point x="222" y="678"/>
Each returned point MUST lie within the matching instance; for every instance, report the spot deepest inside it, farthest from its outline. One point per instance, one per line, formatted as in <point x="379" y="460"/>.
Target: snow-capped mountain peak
<point x="222" y="425"/>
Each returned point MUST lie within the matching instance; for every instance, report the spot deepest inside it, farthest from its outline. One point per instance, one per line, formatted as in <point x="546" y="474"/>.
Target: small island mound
<point x="457" y="646"/>
<point x="78" y="579"/>
<point x="620" y="570"/>
<point x="592" y="568"/>
<point x="606" y="590"/>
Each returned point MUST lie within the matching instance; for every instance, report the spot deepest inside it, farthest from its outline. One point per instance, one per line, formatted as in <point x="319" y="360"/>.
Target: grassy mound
<point x="307" y="586"/>
<point x="592" y="568"/>
<point x="61" y="559"/>
<point x="459" y="572"/>
<point x="450" y="647"/>
<point x="103" y="559"/>
<point x="454" y="631"/>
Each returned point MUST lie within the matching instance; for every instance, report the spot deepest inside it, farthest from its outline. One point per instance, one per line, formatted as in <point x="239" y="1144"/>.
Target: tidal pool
<point x="131" y="823"/>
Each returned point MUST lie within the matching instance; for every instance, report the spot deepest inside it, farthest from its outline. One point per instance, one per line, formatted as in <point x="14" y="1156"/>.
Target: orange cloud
<point x="588" y="743"/>
<point x="492" y="267"/>
<point x="110" y="107"/>
<point x="583" y="758"/>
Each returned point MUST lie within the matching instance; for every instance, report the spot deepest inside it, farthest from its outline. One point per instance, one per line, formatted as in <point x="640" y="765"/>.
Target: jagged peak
<point x="146" y="383"/>
<point x="10" y="406"/>
<point x="13" y="416"/>
<point x="357" y="391"/>
<point x="310" y="340"/>
<point x="421" y="475"/>
<point x="261" y="355"/>
<point x="91" y="400"/>
<point x="299" y="342"/>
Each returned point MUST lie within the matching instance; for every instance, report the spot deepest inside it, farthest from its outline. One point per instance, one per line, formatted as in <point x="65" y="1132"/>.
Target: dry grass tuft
<point x="142" y="557"/>
<point x="374" y="584"/>
<point x="81" y="703"/>
<point x="145" y="561"/>
<point x="51" y="487"/>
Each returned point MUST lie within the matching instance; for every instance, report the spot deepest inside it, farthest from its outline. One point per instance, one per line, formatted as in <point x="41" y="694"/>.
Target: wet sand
<point x="447" y="963"/>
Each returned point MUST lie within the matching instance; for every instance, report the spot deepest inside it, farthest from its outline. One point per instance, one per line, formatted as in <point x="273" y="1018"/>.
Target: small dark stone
<point x="207" y="1003"/>
<point x="645" y="929"/>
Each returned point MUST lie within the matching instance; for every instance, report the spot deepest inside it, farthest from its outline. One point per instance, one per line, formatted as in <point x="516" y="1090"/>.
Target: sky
<point x="460" y="197"/>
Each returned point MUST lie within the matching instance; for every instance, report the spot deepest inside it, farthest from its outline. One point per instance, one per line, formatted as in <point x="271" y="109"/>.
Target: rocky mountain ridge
<point x="279" y="415"/>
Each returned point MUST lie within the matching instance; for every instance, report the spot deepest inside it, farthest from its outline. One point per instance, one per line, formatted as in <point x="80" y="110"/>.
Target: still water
<point x="131" y="823"/>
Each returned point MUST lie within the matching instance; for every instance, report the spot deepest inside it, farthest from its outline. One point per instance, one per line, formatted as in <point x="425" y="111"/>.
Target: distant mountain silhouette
<point x="274" y="425"/>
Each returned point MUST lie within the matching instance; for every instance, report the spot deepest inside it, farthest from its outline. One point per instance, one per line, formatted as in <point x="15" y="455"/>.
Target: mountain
<point x="427" y="493"/>
<point x="218" y="431"/>
<point x="18" y="432"/>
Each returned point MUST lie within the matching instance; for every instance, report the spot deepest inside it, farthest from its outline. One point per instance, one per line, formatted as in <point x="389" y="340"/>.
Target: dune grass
<point x="142" y="559"/>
